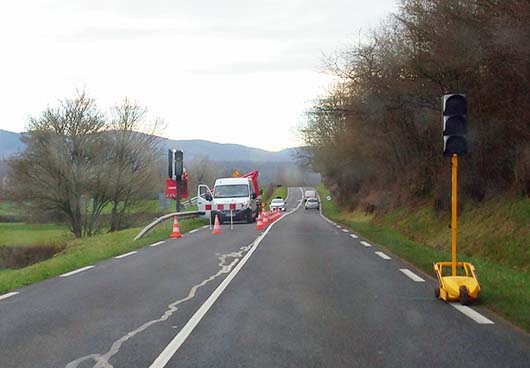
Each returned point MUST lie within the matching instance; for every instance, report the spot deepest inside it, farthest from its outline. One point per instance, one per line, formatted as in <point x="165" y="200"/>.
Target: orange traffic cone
<point x="216" y="226"/>
<point x="259" y="224"/>
<point x="176" y="229"/>
<point x="265" y="219"/>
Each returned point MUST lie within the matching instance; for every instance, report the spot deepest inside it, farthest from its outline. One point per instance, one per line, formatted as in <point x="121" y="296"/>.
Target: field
<point x="496" y="241"/>
<point x="83" y="252"/>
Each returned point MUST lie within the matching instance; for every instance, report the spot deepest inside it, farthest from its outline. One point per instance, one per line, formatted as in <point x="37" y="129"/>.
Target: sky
<point x="228" y="71"/>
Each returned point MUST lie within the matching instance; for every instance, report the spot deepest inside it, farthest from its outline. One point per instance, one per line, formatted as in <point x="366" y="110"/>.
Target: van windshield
<point x="231" y="191"/>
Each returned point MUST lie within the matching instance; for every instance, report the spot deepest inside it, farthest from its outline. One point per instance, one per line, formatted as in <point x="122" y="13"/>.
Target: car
<point x="312" y="203"/>
<point x="277" y="204"/>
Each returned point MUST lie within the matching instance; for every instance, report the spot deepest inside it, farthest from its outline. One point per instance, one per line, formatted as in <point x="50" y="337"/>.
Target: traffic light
<point x="454" y="111"/>
<point x="179" y="165"/>
<point x="175" y="164"/>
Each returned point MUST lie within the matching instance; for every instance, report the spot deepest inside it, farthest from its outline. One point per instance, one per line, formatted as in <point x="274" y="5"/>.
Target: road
<point x="305" y="293"/>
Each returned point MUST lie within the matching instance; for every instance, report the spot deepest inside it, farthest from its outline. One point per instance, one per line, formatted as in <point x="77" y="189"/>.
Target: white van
<point x="309" y="194"/>
<point x="233" y="198"/>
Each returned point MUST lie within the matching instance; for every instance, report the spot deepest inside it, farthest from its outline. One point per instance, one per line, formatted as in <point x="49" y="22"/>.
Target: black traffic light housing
<point x="175" y="161"/>
<point x="454" y="115"/>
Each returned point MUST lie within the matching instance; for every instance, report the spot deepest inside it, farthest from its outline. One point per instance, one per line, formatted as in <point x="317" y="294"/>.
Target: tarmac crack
<point x="102" y="360"/>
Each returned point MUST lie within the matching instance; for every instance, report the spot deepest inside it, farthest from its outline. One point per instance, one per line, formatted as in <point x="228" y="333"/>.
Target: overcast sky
<point x="238" y="71"/>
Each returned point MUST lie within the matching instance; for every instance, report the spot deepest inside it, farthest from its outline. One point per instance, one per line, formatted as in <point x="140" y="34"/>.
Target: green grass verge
<point x="505" y="290"/>
<point x="87" y="251"/>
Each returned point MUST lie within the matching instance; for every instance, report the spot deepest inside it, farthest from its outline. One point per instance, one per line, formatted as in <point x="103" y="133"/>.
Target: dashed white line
<point x="5" y="296"/>
<point x="126" y="254"/>
<point x="411" y="275"/>
<point x="382" y="255"/>
<point x="192" y="231"/>
<point x="205" y="226"/>
<point x="354" y="236"/>
<point x="157" y="244"/>
<point x="475" y="316"/>
<point x="76" y="271"/>
<point x="346" y="230"/>
<point x="366" y="244"/>
<point x="338" y="227"/>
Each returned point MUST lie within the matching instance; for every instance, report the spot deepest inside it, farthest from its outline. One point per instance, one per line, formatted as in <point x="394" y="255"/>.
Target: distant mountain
<point x="10" y="144"/>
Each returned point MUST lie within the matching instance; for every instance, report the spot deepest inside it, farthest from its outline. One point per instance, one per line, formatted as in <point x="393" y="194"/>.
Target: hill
<point x="10" y="144"/>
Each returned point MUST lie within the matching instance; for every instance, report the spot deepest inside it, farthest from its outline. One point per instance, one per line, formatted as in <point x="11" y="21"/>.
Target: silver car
<point x="312" y="203"/>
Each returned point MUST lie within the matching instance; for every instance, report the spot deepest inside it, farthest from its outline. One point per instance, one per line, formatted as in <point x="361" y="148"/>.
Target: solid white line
<point x="411" y="275"/>
<point x="382" y="255"/>
<point x="126" y="254"/>
<point x="158" y="243"/>
<point x="354" y="236"/>
<point x="205" y="226"/>
<point x="183" y="334"/>
<point x="475" y="316"/>
<point x="346" y="230"/>
<point x="366" y="244"/>
<point x="76" y="271"/>
<point x="5" y="296"/>
<point x="192" y="231"/>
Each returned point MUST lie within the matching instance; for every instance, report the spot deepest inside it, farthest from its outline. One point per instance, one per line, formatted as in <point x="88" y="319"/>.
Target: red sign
<point x="208" y="207"/>
<point x="232" y="206"/>
<point x="220" y="207"/>
<point x="171" y="189"/>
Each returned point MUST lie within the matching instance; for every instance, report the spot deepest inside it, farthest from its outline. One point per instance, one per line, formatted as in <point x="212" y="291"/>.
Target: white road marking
<point x="411" y="275"/>
<point x="339" y="227"/>
<point x="5" y="296"/>
<point x="76" y="271"/>
<point x="354" y="236"/>
<point x="156" y="244"/>
<point x="475" y="316"/>
<point x="126" y="254"/>
<point x="346" y="230"/>
<point x="183" y="334"/>
<point x="382" y="255"/>
<point x="192" y="231"/>
<point x="205" y="226"/>
<point x="366" y="244"/>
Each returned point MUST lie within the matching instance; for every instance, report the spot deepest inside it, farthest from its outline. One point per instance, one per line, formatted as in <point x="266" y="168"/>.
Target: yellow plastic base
<point x="450" y="286"/>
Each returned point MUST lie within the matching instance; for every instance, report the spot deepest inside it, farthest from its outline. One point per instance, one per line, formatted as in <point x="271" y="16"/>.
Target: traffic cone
<point x="176" y="229"/>
<point x="259" y="224"/>
<point x="265" y="219"/>
<point x="216" y="226"/>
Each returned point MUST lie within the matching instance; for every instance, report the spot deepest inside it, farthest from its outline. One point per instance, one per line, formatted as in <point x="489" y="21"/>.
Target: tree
<point x="63" y="164"/>
<point x="134" y="158"/>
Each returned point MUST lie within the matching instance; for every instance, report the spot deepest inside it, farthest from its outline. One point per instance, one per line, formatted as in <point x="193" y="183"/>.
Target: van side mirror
<point x="208" y="197"/>
<point x="253" y="196"/>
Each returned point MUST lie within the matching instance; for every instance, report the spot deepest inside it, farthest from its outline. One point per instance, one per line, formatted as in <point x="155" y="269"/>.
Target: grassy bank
<point x="21" y="234"/>
<point x="83" y="252"/>
<point x="494" y="238"/>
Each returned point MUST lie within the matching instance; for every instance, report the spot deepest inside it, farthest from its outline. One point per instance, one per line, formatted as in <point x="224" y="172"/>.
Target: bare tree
<point x="61" y="168"/>
<point x="134" y="155"/>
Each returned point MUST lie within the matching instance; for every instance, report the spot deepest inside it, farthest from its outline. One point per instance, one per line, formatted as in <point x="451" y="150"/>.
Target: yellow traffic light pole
<point x="465" y="287"/>
<point x="454" y="186"/>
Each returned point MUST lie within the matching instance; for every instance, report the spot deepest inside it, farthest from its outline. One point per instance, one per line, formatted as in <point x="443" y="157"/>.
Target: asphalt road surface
<point x="304" y="293"/>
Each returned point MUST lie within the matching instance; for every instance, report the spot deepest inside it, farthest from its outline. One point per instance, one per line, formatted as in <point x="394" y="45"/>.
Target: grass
<point x="87" y="251"/>
<point x="505" y="280"/>
<point x="21" y="234"/>
<point x="8" y="209"/>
